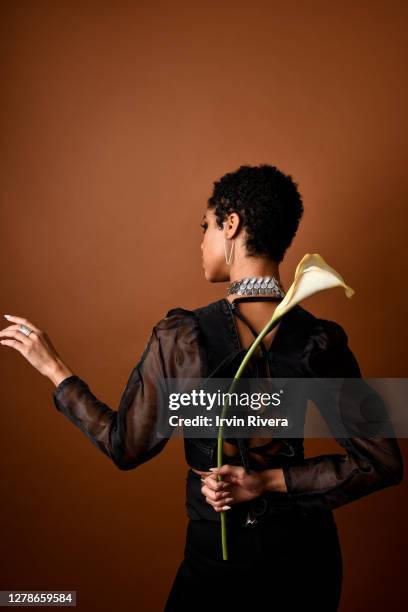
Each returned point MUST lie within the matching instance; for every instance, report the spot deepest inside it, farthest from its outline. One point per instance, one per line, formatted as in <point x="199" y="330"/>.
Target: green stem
<point x="268" y="327"/>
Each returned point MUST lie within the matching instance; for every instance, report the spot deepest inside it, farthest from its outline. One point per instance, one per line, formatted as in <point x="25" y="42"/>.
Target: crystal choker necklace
<point x="257" y="285"/>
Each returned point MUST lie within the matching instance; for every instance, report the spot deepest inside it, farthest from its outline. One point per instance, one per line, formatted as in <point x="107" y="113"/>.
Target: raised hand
<point x="36" y="347"/>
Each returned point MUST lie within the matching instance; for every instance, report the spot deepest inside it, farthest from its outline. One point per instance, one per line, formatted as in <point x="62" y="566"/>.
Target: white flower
<point x="312" y="275"/>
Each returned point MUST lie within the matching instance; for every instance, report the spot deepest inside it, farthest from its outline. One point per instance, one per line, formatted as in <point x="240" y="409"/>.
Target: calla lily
<point x="313" y="274"/>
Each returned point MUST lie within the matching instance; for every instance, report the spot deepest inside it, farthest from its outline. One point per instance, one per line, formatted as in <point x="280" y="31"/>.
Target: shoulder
<point x="178" y="326"/>
<point x="176" y="316"/>
<point x="321" y="332"/>
<point x="327" y="351"/>
<point x="214" y="307"/>
<point x="327" y="334"/>
<point x="179" y="315"/>
<point x="189" y="323"/>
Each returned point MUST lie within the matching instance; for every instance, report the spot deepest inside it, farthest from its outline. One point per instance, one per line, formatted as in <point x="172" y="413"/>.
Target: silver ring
<point x="25" y="330"/>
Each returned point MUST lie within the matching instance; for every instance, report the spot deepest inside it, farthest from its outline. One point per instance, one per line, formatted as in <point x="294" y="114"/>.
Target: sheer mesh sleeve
<point x="369" y="464"/>
<point x="128" y="436"/>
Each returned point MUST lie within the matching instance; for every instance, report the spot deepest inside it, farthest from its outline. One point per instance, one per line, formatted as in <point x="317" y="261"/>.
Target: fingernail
<point x="226" y="508"/>
<point x="7" y="316"/>
<point x="213" y="469"/>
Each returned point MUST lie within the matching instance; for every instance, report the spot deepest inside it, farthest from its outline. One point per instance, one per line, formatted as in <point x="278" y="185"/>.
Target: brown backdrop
<point x="116" y="119"/>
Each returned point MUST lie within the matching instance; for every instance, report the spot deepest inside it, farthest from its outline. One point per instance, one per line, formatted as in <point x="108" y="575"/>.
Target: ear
<point x="232" y="225"/>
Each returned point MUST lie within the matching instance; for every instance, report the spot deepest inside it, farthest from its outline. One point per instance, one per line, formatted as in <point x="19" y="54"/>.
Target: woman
<point x="282" y="537"/>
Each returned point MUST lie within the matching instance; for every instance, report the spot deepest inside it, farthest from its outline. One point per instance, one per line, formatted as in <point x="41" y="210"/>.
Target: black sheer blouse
<point x="203" y="342"/>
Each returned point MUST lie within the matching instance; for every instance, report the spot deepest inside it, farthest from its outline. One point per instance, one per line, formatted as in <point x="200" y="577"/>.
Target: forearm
<point x="128" y="436"/>
<point x="274" y="481"/>
<point x="371" y="464"/>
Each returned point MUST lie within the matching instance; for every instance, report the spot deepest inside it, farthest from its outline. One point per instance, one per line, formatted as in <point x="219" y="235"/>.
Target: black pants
<point x="281" y="564"/>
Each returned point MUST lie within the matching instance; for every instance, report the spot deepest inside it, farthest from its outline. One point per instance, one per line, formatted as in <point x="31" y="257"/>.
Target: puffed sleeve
<point x="369" y="463"/>
<point x="128" y="436"/>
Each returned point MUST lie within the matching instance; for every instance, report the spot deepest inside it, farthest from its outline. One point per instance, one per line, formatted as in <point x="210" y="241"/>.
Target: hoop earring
<point x="228" y="259"/>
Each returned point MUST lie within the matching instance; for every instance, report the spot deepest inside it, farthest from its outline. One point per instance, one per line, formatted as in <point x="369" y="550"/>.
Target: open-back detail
<point x="203" y="342"/>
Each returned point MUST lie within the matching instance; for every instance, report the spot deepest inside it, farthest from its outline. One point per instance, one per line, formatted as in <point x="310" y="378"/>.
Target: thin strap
<point x="257" y="298"/>
<point x="252" y="298"/>
<point x="239" y="314"/>
<point x="243" y="451"/>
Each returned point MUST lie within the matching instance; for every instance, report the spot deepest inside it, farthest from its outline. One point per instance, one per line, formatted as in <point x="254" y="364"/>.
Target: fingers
<point x="218" y="492"/>
<point x="16" y="335"/>
<point x="13" y="336"/>
<point x="19" y="346"/>
<point x="230" y="473"/>
<point x="218" y="498"/>
<point x="220" y="506"/>
<point x="214" y="484"/>
<point x="19" y="320"/>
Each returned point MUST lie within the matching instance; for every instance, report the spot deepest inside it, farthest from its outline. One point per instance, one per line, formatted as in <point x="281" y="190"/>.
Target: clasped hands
<point x="238" y="486"/>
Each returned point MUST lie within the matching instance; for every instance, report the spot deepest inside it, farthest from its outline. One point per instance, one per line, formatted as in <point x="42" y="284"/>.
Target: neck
<point x="256" y="268"/>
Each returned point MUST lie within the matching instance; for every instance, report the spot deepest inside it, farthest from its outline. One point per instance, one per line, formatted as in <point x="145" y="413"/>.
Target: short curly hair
<point x="268" y="202"/>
